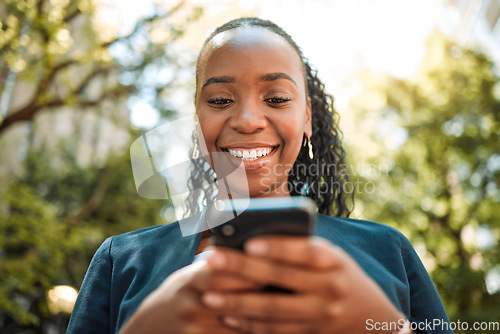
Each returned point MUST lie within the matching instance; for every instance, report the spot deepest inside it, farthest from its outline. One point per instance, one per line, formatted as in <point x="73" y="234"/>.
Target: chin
<point x="268" y="190"/>
<point x="253" y="191"/>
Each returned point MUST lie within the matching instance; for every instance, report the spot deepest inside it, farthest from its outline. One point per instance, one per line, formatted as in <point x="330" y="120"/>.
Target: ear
<point x="308" y="119"/>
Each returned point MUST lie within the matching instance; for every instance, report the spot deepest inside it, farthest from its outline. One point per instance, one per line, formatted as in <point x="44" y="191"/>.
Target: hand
<point x="332" y="293"/>
<point x="175" y="306"/>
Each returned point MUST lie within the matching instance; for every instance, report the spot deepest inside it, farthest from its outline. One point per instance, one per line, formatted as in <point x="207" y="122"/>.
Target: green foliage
<point x="51" y="225"/>
<point x="30" y="235"/>
<point x="58" y="210"/>
<point x="442" y="187"/>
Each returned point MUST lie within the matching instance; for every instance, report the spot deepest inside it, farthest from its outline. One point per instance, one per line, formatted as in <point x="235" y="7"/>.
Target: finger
<point x="196" y="328"/>
<point x="267" y="305"/>
<point x="203" y="278"/>
<point x="197" y="318"/>
<point x="265" y="272"/>
<point x="314" y="252"/>
<point x="230" y="283"/>
<point x="263" y="326"/>
<point x="207" y="323"/>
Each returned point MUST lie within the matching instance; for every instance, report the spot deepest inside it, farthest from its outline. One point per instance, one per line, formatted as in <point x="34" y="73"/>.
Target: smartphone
<point x="263" y="216"/>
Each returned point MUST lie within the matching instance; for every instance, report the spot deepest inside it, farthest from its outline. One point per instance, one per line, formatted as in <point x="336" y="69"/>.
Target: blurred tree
<point x="56" y="57"/>
<point x="439" y="181"/>
<point x="52" y="223"/>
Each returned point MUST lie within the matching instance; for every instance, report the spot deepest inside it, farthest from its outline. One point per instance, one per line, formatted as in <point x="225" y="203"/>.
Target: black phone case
<point x="281" y="216"/>
<point x="251" y="223"/>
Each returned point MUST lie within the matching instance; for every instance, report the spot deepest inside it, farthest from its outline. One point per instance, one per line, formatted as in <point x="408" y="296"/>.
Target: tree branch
<point x="137" y="27"/>
<point x="28" y="112"/>
<point x="141" y="23"/>
<point x="68" y="18"/>
<point x="93" y="203"/>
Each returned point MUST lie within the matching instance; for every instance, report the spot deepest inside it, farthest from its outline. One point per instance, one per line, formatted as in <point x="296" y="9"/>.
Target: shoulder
<point x="389" y="258"/>
<point x="153" y="237"/>
<point x="145" y="235"/>
<point x="370" y="243"/>
<point x="358" y="229"/>
<point x="367" y="240"/>
<point x="155" y="243"/>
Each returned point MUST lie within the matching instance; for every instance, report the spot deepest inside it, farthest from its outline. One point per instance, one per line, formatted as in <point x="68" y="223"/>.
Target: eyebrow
<point x="265" y="77"/>
<point x="221" y="79"/>
<point x="277" y="76"/>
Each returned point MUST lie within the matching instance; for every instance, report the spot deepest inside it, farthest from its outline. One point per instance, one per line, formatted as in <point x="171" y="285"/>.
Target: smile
<point x="247" y="154"/>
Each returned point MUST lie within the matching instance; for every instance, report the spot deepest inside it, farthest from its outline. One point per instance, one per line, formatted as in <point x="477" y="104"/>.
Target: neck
<point x="204" y="242"/>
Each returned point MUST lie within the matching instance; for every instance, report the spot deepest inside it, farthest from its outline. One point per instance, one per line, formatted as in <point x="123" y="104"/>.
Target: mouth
<point x="250" y="154"/>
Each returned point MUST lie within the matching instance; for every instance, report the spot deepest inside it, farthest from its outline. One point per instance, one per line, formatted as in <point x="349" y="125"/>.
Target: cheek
<point x="210" y="128"/>
<point x="293" y="133"/>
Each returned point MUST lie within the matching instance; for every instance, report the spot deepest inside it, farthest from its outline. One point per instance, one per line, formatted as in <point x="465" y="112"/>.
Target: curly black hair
<point x="324" y="179"/>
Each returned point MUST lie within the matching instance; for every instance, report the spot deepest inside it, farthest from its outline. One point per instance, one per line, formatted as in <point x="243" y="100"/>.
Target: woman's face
<point x="252" y="106"/>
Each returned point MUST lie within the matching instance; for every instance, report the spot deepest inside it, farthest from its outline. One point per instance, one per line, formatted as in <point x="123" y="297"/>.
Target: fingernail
<point x="216" y="260"/>
<point x="257" y="247"/>
<point x="214" y="299"/>
<point x="231" y="321"/>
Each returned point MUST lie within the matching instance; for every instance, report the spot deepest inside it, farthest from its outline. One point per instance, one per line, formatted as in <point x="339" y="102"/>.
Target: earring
<point x="196" y="151"/>
<point x="311" y="154"/>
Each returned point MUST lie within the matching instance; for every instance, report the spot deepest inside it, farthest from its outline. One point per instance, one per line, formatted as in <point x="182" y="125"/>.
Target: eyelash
<point x="220" y="101"/>
<point x="278" y="99"/>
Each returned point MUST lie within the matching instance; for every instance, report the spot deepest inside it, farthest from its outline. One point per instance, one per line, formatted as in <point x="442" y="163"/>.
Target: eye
<point x="278" y="99"/>
<point x="219" y="101"/>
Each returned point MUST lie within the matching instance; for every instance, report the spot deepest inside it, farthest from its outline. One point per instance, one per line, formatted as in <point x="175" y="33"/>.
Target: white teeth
<point x="249" y="155"/>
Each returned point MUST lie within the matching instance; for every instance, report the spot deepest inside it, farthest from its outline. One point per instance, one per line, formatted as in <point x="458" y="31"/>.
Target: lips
<point x="250" y="154"/>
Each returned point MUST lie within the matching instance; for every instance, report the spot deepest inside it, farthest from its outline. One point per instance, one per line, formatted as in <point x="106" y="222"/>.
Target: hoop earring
<point x="309" y="144"/>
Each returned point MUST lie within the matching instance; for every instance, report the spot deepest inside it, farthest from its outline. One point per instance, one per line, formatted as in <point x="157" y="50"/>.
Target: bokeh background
<point x="416" y="86"/>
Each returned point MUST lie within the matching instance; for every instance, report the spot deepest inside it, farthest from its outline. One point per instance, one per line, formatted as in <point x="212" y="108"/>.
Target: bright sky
<point x="339" y="37"/>
<point x="342" y="36"/>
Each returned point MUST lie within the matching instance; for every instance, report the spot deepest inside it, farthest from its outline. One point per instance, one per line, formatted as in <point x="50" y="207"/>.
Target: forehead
<point x="248" y="36"/>
<point x="247" y="41"/>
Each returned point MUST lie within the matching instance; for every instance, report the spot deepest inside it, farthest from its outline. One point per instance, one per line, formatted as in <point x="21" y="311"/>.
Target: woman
<point x="258" y="103"/>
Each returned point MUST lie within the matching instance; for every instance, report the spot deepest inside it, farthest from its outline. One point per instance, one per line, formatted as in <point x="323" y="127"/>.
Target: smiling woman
<point x="252" y="75"/>
<point x="261" y="108"/>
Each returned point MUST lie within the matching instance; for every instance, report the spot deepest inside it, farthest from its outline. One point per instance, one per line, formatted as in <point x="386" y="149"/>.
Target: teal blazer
<point x="128" y="267"/>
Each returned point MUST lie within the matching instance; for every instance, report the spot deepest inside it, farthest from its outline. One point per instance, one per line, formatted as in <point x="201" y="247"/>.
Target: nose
<point x="248" y="117"/>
